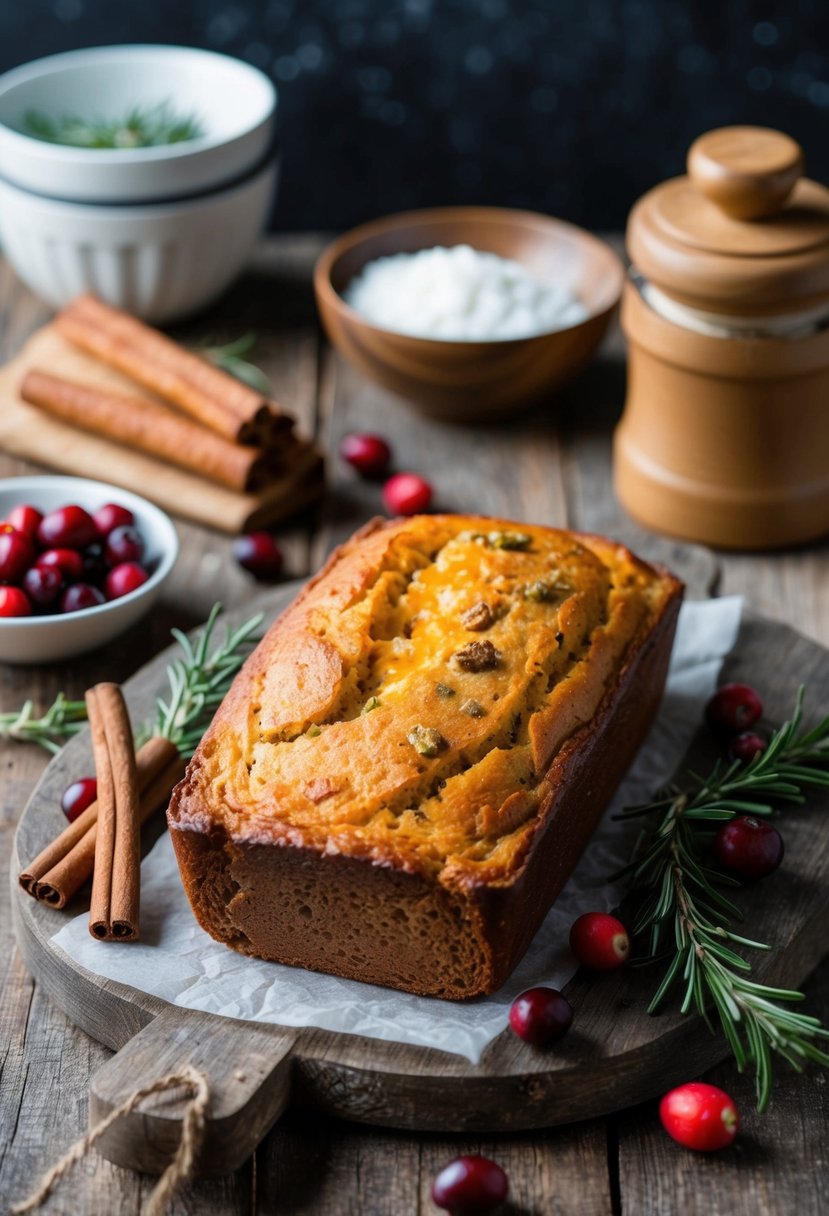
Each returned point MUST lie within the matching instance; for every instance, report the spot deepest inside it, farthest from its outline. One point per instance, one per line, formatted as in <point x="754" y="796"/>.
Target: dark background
<point x="573" y="107"/>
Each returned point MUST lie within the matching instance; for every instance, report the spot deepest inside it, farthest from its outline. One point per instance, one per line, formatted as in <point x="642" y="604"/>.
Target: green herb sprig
<point x="230" y="358"/>
<point x="141" y="127"/>
<point x="685" y="911"/>
<point x="51" y="730"/>
<point x="197" y="681"/>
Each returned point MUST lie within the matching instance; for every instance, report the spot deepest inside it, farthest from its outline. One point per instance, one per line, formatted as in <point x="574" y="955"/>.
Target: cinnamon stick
<point x="62" y="868"/>
<point x="140" y="422"/>
<point x="205" y="392"/>
<point x="68" y="876"/>
<point x="113" y="914"/>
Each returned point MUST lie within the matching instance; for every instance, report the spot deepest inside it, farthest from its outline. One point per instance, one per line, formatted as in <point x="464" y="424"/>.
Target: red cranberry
<point x="749" y="847"/>
<point x="111" y="516"/>
<point x="123" y="579"/>
<point x="540" y="1016"/>
<point x="124" y="544"/>
<point x="700" y="1116"/>
<point x="14" y="602"/>
<point x="68" y="561"/>
<point x="67" y="527"/>
<point x="78" y="796"/>
<point x="407" y="494"/>
<point x="16" y="555"/>
<point x="368" y="454"/>
<point x="733" y="709"/>
<point x="469" y="1185"/>
<point x="25" y="519"/>
<point x="599" y="941"/>
<point x="259" y="554"/>
<point x="746" y="746"/>
<point x="95" y="566"/>
<point x="80" y="596"/>
<point x="42" y="584"/>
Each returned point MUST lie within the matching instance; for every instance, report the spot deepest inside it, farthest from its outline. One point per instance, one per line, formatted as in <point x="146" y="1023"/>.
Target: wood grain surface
<point x="616" y="1053"/>
<point x="747" y="171"/>
<point x="553" y="466"/>
<point x="32" y="434"/>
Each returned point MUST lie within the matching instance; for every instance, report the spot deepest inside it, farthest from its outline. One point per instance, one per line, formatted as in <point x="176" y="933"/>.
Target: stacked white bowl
<point x="159" y="231"/>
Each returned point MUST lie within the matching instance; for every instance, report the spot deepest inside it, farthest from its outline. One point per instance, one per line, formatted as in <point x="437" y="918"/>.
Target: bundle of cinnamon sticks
<point x="184" y="411"/>
<point x="103" y="842"/>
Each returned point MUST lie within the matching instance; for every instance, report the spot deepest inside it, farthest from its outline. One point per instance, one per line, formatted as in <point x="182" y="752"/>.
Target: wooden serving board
<point x="31" y="434"/>
<point x="616" y="1055"/>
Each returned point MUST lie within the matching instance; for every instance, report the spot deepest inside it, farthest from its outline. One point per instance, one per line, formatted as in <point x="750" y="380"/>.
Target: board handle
<point x="248" y="1068"/>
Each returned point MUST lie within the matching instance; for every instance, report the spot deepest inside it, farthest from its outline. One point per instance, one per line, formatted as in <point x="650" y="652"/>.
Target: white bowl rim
<point x="36" y="68"/>
<point x="149" y="208"/>
<point x="29" y="485"/>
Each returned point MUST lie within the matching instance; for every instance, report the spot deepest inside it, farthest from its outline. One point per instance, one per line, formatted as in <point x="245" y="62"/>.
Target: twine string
<point x="179" y="1170"/>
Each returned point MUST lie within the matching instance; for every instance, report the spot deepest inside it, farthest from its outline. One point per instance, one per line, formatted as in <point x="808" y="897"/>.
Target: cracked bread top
<point x="407" y="707"/>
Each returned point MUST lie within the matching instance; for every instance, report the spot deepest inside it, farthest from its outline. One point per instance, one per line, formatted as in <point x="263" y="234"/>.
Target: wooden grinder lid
<point x="744" y="233"/>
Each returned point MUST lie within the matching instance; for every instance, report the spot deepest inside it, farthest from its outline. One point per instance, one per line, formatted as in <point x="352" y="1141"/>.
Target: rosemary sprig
<point x="62" y="719"/>
<point x="197" y="683"/>
<point x="683" y="901"/>
<point x="230" y="358"/>
<point x="141" y="127"/>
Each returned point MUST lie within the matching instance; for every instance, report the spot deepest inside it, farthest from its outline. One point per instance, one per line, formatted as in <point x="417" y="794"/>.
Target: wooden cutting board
<point x="616" y="1055"/>
<point x="31" y="434"/>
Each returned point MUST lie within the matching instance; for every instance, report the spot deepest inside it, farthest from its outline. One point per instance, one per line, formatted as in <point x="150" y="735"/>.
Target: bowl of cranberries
<point x="80" y="562"/>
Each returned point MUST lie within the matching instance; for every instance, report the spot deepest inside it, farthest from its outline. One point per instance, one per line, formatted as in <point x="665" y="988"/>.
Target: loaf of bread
<point x="408" y="767"/>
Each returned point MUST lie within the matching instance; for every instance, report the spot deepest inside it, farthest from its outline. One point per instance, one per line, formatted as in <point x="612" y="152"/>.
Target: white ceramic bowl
<point x="235" y="103"/>
<point x="43" y="639"/>
<point x="159" y="261"/>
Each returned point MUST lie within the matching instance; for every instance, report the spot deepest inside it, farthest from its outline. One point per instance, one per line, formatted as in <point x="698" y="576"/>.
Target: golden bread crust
<point x="420" y="710"/>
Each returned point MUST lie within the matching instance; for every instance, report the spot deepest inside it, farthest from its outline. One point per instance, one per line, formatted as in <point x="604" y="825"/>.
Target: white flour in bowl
<point x="460" y="295"/>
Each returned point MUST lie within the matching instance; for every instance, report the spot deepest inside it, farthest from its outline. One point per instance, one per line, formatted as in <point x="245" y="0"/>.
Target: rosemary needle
<point x="685" y="911"/>
<point x="230" y="358"/>
<point x="62" y="719"/>
<point x="141" y="127"/>
<point x="198" y="681"/>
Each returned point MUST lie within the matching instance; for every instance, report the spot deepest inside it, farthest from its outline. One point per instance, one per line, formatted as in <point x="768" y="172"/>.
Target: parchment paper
<point x="177" y="961"/>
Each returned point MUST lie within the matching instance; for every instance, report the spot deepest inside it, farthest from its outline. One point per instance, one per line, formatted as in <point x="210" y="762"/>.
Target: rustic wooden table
<point x="552" y="466"/>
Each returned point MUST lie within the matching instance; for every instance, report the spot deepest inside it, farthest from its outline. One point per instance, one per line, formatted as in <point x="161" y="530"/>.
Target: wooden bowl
<point x="471" y="381"/>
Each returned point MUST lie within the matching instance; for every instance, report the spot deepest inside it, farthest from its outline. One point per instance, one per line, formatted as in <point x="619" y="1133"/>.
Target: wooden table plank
<point x="35" y="1127"/>
<point x="276" y="304"/>
<point x="338" y="1169"/>
<point x="552" y="1173"/>
<point x="552" y="466"/>
<point x="511" y="469"/>
<point x="586" y="413"/>
<point x="781" y="1157"/>
<point x="779" y="1163"/>
<point x="792" y="587"/>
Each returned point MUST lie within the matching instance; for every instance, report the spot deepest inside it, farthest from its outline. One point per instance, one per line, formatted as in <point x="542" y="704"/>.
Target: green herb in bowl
<point x="141" y="127"/>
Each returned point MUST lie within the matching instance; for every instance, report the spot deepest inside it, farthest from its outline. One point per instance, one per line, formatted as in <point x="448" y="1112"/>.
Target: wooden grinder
<point x="725" y="434"/>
